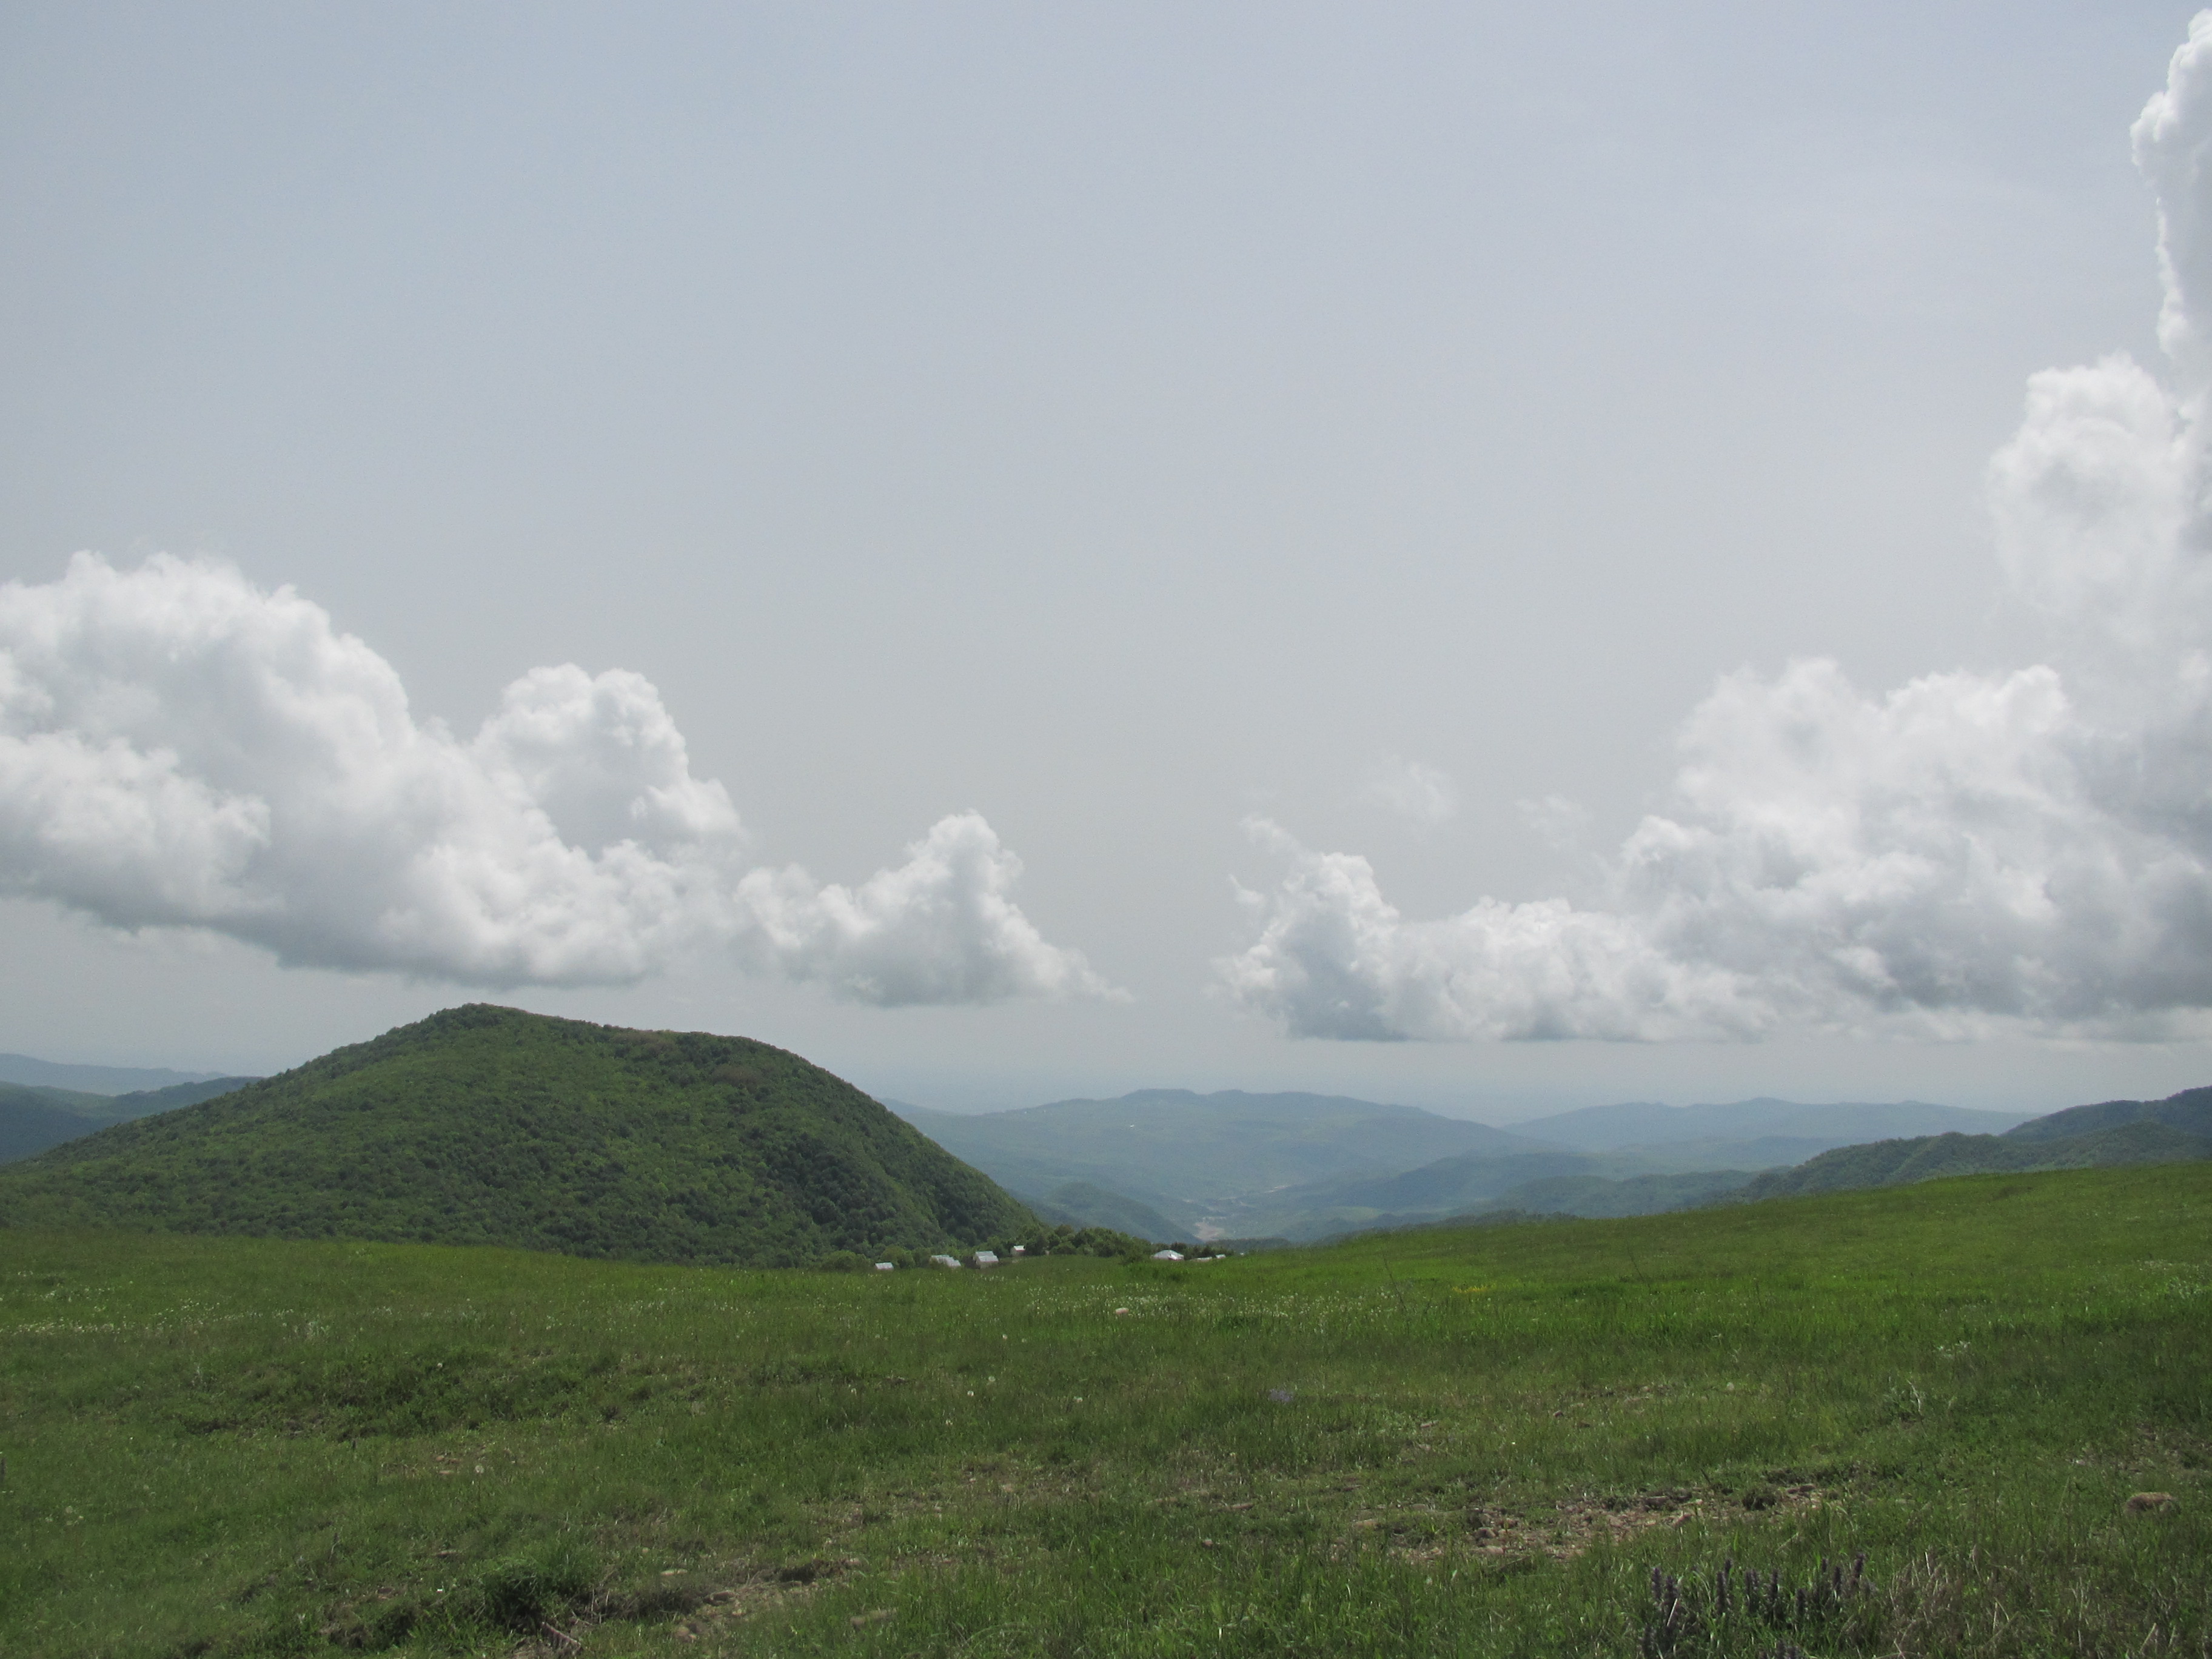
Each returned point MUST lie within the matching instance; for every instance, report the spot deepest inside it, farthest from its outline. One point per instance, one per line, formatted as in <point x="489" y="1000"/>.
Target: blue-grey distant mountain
<point x="1647" y="1124"/>
<point x="94" y="1079"/>
<point x="1663" y="1175"/>
<point x="32" y="1118"/>
<point x="1549" y="1182"/>
<point x="1598" y="1195"/>
<point x="1721" y="1153"/>
<point x="1170" y="1162"/>
<point x="1201" y="1159"/>
<point x="1550" y="1195"/>
<point x="1452" y="1184"/>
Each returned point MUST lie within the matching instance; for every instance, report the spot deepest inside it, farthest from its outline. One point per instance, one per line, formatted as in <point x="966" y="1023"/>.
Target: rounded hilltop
<point x="484" y="1125"/>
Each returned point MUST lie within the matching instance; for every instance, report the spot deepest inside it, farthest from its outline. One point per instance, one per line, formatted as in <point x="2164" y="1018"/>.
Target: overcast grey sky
<point x="1171" y="446"/>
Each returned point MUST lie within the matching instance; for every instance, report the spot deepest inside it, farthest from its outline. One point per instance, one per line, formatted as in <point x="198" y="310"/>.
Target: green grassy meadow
<point x="1475" y="1442"/>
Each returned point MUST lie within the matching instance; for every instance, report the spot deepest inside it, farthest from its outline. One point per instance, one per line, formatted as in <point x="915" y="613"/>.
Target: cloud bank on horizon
<point x="180" y="749"/>
<point x="1972" y="852"/>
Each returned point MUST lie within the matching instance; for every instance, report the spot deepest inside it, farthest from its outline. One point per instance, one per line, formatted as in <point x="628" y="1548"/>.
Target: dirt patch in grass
<point x="704" y="1604"/>
<point x="1572" y="1526"/>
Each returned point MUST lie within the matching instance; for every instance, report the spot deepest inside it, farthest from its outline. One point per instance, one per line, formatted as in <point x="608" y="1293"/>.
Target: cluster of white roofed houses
<point x="990" y="1259"/>
<point x="978" y="1259"/>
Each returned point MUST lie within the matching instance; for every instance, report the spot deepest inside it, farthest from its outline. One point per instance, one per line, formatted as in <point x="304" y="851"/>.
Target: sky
<point x="1449" y="554"/>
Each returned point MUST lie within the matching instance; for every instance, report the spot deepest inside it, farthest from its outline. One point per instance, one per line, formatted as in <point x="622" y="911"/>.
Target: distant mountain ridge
<point x="1647" y="1124"/>
<point x="2189" y="1111"/>
<point x="32" y="1119"/>
<point x="2080" y="1137"/>
<point x="1451" y="1183"/>
<point x="2114" y="1132"/>
<point x="1159" y="1163"/>
<point x="94" y="1079"/>
<point x="1554" y="1182"/>
<point x="1192" y="1157"/>
<point x="491" y="1126"/>
<point x="1304" y="1166"/>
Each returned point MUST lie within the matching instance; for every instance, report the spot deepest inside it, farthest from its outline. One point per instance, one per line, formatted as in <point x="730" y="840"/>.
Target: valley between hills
<point x="507" y="1335"/>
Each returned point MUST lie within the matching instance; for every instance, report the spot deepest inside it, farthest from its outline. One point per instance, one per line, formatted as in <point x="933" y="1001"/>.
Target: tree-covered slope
<point x="1085" y="1204"/>
<point x="490" y="1125"/>
<point x="2189" y="1111"/>
<point x="34" y="1118"/>
<point x="144" y="1102"/>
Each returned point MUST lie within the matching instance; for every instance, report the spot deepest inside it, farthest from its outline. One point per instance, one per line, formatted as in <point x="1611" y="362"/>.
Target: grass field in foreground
<point x="1478" y="1442"/>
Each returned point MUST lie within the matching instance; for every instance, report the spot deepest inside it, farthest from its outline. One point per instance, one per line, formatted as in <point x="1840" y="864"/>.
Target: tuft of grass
<point x="1483" y="1442"/>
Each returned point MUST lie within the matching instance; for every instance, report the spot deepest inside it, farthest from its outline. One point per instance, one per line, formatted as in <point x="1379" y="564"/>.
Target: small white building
<point x="1166" y="1256"/>
<point x="945" y="1261"/>
<point x="985" y="1259"/>
<point x="886" y="1267"/>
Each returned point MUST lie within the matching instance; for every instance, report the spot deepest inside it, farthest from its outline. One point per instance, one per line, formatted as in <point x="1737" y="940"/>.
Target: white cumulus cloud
<point x="940" y="928"/>
<point x="2029" y="850"/>
<point x="181" y="749"/>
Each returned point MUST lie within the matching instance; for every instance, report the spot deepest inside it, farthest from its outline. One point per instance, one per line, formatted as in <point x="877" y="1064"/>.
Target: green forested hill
<point x="144" y="1102"/>
<point x="2189" y="1111"/>
<point x="1930" y="1158"/>
<point x="490" y="1125"/>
